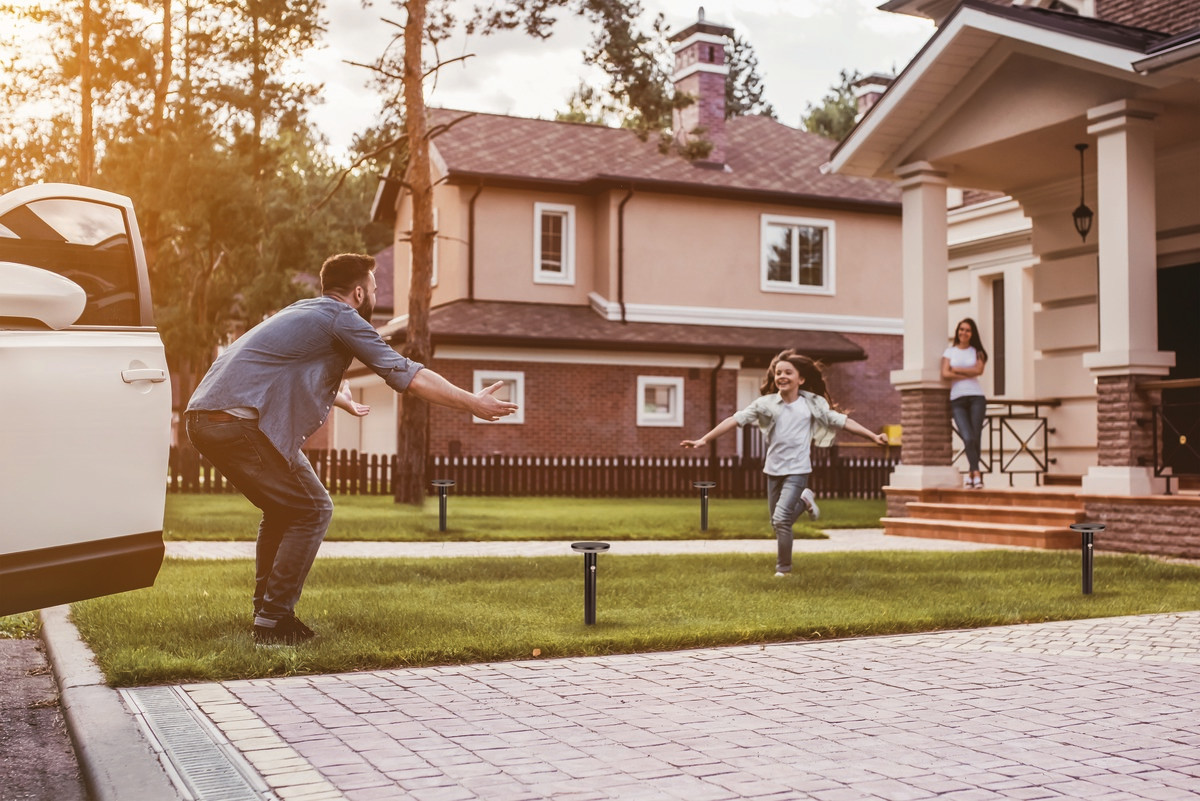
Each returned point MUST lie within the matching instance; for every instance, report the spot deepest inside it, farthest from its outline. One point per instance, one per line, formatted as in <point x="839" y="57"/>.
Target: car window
<point x="85" y="241"/>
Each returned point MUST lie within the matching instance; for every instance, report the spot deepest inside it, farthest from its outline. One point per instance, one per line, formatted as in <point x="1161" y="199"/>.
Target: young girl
<point x="793" y="413"/>
<point x="962" y="364"/>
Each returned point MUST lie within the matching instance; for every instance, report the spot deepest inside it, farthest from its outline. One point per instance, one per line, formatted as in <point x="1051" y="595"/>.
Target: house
<point x="1079" y="121"/>
<point x="630" y="297"/>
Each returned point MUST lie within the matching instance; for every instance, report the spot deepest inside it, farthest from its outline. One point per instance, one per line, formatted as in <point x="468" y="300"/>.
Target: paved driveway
<point x="1098" y="709"/>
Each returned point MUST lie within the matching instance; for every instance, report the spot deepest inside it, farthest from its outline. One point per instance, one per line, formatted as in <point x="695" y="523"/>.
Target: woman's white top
<point x="961" y="359"/>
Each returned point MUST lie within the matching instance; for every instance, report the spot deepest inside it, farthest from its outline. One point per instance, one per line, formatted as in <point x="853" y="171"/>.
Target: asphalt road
<point x="37" y="762"/>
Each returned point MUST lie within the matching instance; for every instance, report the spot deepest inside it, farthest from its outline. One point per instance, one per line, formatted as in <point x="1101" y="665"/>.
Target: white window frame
<point x="485" y="378"/>
<point x="567" y="275"/>
<point x="673" y="418"/>
<point x="829" y="272"/>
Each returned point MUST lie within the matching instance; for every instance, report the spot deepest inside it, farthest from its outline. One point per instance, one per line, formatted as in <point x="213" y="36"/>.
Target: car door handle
<point x="151" y="374"/>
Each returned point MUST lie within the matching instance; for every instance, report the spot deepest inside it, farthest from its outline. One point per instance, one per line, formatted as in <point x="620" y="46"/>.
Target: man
<point x="269" y="391"/>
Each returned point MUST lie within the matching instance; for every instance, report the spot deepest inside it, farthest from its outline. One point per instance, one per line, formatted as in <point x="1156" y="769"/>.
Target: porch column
<point x="925" y="453"/>
<point x="1126" y="221"/>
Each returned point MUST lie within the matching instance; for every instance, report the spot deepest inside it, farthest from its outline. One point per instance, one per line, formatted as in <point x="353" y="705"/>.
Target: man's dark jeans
<point x="296" y="508"/>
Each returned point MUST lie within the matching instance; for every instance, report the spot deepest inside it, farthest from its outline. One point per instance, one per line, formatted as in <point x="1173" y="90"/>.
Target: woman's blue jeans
<point x="968" y="413"/>
<point x="783" y="499"/>
<point x="296" y="508"/>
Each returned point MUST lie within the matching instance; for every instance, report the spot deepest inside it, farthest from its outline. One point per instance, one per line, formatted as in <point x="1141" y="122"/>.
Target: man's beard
<point x="366" y="309"/>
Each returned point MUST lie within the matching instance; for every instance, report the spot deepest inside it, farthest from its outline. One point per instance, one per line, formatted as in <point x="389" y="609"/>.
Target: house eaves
<point x="970" y="41"/>
<point x="1180" y="54"/>
<point x="597" y="184"/>
<point x="519" y="325"/>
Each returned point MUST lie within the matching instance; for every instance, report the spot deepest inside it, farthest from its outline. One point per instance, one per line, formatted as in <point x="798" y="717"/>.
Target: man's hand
<point x="345" y="400"/>
<point x="488" y="407"/>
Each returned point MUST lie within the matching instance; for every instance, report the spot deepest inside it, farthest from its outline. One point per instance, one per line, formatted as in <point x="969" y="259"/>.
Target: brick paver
<point x="1103" y="710"/>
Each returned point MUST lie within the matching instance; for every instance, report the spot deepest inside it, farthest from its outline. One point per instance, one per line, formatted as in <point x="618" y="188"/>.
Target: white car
<point x="85" y="401"/>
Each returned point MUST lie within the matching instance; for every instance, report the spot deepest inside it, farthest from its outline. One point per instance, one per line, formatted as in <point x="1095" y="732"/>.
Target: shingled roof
<point x="544" y="325"/>
<point x="764" y="160"/>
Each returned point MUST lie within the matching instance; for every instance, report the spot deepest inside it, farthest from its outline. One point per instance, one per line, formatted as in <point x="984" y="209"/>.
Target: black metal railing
<point x="1015" y="439"/>
<point x="1175" y="422"/>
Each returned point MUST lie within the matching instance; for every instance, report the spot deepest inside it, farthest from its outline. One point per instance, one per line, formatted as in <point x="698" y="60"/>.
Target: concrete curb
<point x="115" y="758"/>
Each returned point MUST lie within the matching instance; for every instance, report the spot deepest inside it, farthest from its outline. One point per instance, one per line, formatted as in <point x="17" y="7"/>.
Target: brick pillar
<point x="925" y="423"/>
<point x="1124" y="437"/>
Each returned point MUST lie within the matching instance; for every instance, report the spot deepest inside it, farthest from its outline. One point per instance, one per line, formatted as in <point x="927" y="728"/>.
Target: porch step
<point x="997" y="514"/>
<point x="1061" y="480"/>
<point x="1029" y="536"/>
<point x="1042" y="497"/>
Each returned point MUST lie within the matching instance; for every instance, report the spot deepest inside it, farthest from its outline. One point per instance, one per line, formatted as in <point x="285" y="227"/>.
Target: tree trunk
<point x="87" y="146"/>
<point x="413" y="445"/>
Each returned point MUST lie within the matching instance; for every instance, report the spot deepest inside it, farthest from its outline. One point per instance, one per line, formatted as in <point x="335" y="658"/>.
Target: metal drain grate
<point x="204" y="765"/>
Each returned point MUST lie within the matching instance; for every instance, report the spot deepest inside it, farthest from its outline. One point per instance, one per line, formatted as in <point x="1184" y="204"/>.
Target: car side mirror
<point x="31" y="293"/>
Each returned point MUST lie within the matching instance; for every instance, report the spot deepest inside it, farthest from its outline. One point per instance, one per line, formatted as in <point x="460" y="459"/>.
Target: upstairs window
<point x="797" y="255"/>
<point x="553" y="244"/>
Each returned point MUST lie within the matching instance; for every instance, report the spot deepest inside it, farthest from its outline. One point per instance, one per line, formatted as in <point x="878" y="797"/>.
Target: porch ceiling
<point x="999" y="97"/>
<point x="541" y="325"/>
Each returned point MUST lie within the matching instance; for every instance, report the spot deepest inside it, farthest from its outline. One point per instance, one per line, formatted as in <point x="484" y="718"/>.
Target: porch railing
<point x="1175" y="424"/>
<point x="1015" y="439"/>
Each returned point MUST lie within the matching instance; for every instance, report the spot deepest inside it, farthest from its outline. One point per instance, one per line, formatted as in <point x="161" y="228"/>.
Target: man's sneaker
<point x="781" y="575"/>
<point x="810" y="498"/>
<point x="288" y="631"/>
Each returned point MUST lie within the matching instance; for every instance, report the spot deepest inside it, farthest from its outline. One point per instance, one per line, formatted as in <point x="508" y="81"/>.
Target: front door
<point x="1179" y="331"/>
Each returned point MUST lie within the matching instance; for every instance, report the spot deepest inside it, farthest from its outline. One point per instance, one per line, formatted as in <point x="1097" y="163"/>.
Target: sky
<point x="802" y="46"/>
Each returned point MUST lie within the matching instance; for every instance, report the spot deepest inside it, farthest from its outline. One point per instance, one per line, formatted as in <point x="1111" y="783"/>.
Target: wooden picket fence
<point x="845" y="473"/>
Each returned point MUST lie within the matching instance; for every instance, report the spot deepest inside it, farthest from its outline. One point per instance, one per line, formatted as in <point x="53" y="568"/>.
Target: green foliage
<point x="834" y="116"/>
<point x="194" y="624"/>
<point x="744" y="90"/>
<point x="19" y="627"/>
<point x="483" y="519"/>
<point x="197" y="119"/>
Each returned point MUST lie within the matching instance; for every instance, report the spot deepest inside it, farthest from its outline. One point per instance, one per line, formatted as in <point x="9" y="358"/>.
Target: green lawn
<point x="359" y="517"/>
<point x="370" y="614"/>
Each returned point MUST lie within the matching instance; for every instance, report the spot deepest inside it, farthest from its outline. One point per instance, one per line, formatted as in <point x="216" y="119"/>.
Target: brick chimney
<point x="868" y="90"/>
<point x="701" y="71"/>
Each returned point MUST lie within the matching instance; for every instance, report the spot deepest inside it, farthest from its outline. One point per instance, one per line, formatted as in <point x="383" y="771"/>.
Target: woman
<point x="794" y="412"/>
<point x="962" y="364"/>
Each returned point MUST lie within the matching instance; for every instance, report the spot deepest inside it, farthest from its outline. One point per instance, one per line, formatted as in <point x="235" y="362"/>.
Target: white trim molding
<point x="745" y="318"/>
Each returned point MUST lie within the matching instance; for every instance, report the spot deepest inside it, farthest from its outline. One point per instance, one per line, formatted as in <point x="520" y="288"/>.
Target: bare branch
<point x="342" y="175"/>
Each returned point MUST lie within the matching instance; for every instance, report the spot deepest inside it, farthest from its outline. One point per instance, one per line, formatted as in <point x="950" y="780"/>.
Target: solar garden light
<point x="1087" y="530"/>
<point x="589" y="551"/>
<point x="443" y="485"/>
<point x="704" y="487"/>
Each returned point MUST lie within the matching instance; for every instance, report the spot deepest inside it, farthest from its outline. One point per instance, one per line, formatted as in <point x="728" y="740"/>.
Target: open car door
<point x="85" y="400"/>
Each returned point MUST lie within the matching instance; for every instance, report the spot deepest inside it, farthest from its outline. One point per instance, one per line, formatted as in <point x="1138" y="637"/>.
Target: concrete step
<point x="997" y="514"/>
<point x="1029" y="536"/>
<point x="1051" y="497"/>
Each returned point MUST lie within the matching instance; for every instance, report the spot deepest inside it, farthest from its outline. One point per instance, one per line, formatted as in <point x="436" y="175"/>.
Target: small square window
<point x="513" y="391"/>
<point x="660" y="401"/>
<point x="553" y="244"/>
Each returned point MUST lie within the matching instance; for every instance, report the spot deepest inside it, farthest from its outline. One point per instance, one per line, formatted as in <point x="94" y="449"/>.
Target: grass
<point x="375" y="518"/>
<point x="372" y="614"/>
<point x="17" y="627"/>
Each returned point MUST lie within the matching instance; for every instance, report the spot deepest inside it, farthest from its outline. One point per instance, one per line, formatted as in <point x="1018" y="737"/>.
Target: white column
<point x="926" y="298"/>
<point x="1126" y="222"/>
<point x="925" y="261"/>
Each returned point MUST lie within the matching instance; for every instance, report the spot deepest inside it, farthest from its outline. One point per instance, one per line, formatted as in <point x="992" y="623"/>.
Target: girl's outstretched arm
<point x="855" y="427"/>
<point x="728" y="424"/>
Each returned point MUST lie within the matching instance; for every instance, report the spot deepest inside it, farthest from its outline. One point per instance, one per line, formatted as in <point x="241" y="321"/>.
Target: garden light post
<point x="443" y="485"/>
<point x="1087" y="530"/>
<point x="589" y="551"/>
<point x="704" y="487"/>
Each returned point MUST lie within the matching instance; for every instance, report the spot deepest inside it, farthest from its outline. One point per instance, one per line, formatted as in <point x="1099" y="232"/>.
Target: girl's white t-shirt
<point x="962" y="358"/>
<point x="790" y="452"/>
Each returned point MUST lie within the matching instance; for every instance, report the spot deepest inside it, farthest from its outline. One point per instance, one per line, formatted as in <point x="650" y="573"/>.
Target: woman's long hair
<point x="975" y="342"/>
<point x="809" y="370"/>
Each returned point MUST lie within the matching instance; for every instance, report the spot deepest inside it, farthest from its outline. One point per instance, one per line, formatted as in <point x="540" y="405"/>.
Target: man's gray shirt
<point x="289" y="366"/>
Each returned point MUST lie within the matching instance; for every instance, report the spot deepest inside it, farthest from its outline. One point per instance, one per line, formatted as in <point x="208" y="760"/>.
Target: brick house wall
<point x="581" y="410"/>
<point x="864" y="389"/>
